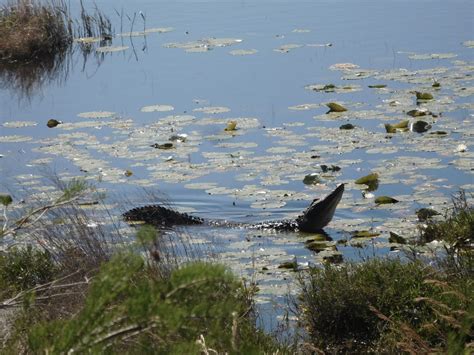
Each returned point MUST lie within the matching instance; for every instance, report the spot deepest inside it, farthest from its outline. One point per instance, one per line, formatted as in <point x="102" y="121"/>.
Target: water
<point x="377" y="36"/>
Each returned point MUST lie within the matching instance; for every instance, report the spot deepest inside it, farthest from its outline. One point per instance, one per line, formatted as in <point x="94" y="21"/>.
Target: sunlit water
<point x="274" y="146"/>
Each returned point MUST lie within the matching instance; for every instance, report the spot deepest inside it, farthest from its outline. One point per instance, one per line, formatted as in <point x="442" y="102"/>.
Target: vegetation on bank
<point x="32" y="29"/>
<point x="43" y="30"/>
<point x="81" y="289"/>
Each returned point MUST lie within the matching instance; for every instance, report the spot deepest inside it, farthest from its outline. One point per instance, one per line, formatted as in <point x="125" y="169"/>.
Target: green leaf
<point x="423" y="95"/>
<point x="368" y="179"/>
<point x="392" y="128"/>
<point x="5" y="200"/>
<point x="364" y="234"/>
<point x="335" y="107"/>
<point x="395" y="238"/>
<point x="312" y="179"/>
<point x="382" y="200"/>
<point x="347" y="126"/>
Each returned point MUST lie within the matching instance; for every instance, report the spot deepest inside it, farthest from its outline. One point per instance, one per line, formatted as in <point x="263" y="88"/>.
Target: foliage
<point x="24" y="268"/>
<point x="386" y="305"/>
<point x="457" y="228"/>
<point x="31" y="29"/>
<point x="126" y="309"/>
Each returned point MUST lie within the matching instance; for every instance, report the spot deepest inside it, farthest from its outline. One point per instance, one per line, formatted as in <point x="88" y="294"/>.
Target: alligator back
<point x="160" y="216"/>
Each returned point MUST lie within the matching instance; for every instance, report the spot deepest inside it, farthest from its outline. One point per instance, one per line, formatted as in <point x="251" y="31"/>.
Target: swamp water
<point x="150" y="111"/>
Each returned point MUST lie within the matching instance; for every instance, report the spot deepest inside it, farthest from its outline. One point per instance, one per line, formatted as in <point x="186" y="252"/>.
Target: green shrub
<point x="24" y="268"/>
<point x="389" y="306"/>
<point x="457" y="228"/>
<point x="336" y="301"/>
<point x="127" y="309"/>
<point x="32" y="29"/>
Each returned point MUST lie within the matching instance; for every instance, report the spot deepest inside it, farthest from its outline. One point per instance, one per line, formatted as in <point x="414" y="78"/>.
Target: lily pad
<point x="378" y="86"/>
<point x="368" y="179"/>
<point x="241" y="52"/>
<point x="424" y="214"/>
<point x="347" y="126"/>
<point x="335" y="107"/>
<point x="5" y="200"/>
<point x="53" y="123"/>
<point x="97" y="114"/>
<point x="423" y="95"/>
<point x="364" y="234"/>
<point x="231" y="126"/>
<point x="312" y="179"/>
<point x="316" y="246"/>
<point x="382" y="200"/>
<point x="108" y="49"/>
<point x="157" y="108"/>
<point x="395" y="238"/>
<point x="420" y="126"/>
<point x="392" y="128"/>
<point x="293" y="265"/>
<point x="418" y="113"/>
<point x="19" y="124"/>
<point x="162" y="146"/>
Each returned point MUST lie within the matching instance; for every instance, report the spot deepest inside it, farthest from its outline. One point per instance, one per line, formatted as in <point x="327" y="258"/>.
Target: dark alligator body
<point x="313" y="219"/>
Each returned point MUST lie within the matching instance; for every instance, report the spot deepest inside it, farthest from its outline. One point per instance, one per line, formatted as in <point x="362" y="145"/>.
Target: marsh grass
<point x="36" y="41"/>
<point x="336" y="300"/>
<point x="32" y="29"/>
<point x="421" y="304"/>
<point x="457" y="226"/>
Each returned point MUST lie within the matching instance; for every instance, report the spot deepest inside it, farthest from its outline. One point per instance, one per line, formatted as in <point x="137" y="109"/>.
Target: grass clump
<point x="200" y="308"/>
<point x="335" y="301"/>
<point x="457" y="227"/>
<point x="32" y="29"/>
<point x="24" y="268"/>
<point x="385" y="305"/>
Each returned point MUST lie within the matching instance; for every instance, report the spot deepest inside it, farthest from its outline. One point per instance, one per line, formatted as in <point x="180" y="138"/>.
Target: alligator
<point x="314" y="218"/>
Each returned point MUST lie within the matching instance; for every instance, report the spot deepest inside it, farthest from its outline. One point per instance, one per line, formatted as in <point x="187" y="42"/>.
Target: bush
<point x="457" y="227"/>
<point x="335" y="301"/>
<point x="30" y="29"/>
<point x="24" y="268"/>
<point x="384" y="305"/>
<point x="126" y="309"/>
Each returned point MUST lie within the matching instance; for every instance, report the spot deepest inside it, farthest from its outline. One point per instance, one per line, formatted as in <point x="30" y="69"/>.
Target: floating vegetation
<point x="97" y="114"/>
<point x="344" y="66"/>
<point x="368" y="179"/>
<point x="231" y="126"/>
<point x="419" y="126"/>
<point x="19" y="124"/>
<point x="312" y="179"/>
<point x="204" y="45"/>
<point x="335" y="107"/>
<point x="331" y="88"/>
<point x="242" y="52"/>
<point x="157" y="108"/>
<point x="364" y="234"/>
<point x="418" y="112"/>
<point x="287" y="48"/>
<point x="163" y="146"/>
<point x="424" y="214"/>
<point x="212" y="110"/>
<point x="433" y="56"/>
<point x="53" y="123"/>
<point x="423" y="95"/>
<point x="382" y="200"/>
<point x="111" y="49"/>
<point x="14" y="139"/>
<point x="347" y="126"/>
<point x="400" y="126"/>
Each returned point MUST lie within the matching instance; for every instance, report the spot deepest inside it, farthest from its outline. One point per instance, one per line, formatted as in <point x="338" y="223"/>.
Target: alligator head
<point x="320" y="213"/>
